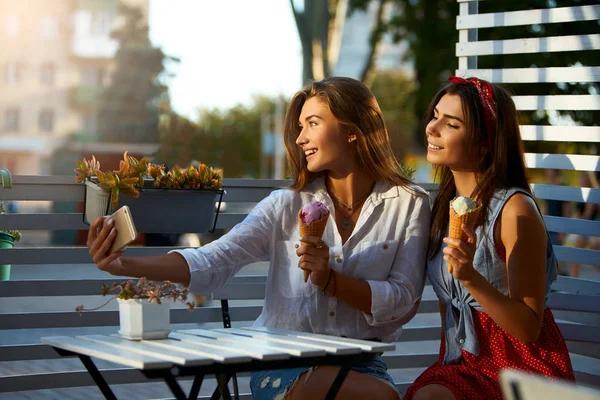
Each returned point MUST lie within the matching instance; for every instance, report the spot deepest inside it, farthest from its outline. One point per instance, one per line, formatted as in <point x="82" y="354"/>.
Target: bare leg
<point x="356" y="386"/>
<point x="434" y="391"/>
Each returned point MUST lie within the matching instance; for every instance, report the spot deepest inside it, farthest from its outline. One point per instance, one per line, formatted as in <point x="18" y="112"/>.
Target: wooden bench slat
<point x="111" y="318"/>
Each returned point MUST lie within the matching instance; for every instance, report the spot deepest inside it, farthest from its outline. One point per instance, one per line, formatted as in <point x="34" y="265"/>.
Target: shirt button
<point x="296" y="245"/>
<point x="331" y="313"/>
<point x="385" y="246"/>
<point x="338" y="260"/>
<point x="461" y="341"/>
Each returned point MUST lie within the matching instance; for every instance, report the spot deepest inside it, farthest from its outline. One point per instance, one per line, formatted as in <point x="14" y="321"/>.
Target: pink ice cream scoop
<point x="313" y="211"/>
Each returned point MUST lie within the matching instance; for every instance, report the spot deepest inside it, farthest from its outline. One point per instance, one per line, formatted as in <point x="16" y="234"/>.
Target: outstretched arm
<point x="171" y="267"/>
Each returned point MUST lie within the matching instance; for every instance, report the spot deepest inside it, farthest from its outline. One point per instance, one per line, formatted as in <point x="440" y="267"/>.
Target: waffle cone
<point x="456" y="221"/>
<point x="317" y="229"/>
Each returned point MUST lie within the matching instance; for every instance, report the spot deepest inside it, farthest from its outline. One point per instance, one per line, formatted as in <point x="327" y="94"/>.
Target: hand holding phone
<point x="126" y="232"/>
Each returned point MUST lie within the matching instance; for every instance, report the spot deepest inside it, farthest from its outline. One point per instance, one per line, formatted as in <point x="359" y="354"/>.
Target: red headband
<point x="487" y="100"/>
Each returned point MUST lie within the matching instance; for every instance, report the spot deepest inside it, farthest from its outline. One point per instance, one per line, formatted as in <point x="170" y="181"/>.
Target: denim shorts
<point x="275" y="384"/>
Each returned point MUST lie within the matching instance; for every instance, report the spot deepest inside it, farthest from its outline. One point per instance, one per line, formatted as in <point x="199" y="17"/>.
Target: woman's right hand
<point x="100" y="237"/>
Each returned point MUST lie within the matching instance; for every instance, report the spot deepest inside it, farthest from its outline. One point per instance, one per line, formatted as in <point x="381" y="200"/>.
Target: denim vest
<point x="459" y="328"/>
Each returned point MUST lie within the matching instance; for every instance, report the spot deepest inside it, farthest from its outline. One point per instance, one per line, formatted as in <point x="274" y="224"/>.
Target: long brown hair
<point x="499" y="155"/>
<point x="354" y="107"/>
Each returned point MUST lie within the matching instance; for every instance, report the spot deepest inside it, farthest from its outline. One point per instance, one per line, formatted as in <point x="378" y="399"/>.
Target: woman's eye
<point x="434" y="118"/>
<point x="453" y="126"/>
<point x="312" y="123"/>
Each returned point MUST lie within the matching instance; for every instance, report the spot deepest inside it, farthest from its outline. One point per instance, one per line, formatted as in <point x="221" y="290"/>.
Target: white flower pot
<point x="141" y="319"/>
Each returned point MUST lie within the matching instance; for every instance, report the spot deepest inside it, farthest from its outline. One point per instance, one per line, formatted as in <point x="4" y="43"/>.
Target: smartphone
<point x="126" y="232"/>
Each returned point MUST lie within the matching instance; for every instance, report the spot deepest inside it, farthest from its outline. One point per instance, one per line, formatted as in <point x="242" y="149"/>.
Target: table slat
<point x="331" y="348"/>
<point x="169" y="350"/>
<point x="252" y="349"/>
<point x="106" y="353"/>
<point x="365" y="345"/>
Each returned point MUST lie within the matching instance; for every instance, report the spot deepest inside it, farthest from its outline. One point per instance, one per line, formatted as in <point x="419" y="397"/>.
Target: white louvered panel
<point x="563" y="161"/>
<point x="529" y="17"/>
<point x="530" y="45"/>
<point x="560" y="133"/>
<point x="561" y="102"/>
<point x="534" y="75"/>
<point x="566" y="193"/>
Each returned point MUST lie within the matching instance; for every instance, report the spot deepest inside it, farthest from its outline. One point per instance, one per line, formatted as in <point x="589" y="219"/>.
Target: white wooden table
<point x="220" y="352"/>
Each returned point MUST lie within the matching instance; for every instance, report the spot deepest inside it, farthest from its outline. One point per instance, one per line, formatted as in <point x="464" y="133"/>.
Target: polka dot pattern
<point x="476" y="376"/>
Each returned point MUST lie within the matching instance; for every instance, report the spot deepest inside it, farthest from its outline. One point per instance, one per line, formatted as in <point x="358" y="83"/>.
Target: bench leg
<point x="97" y="377"/>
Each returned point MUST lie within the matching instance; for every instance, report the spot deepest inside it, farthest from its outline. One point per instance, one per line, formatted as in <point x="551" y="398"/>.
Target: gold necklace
<point x="347" y="223"/>
<point x="349" y="207"/>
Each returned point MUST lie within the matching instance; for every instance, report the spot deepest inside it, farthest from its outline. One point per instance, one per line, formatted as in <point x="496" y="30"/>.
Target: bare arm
<point x="524" y="237"/>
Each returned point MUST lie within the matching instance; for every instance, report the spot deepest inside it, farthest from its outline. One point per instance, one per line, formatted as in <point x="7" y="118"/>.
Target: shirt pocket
<point x="287" y="276"/>
<point x="375" y="259"/>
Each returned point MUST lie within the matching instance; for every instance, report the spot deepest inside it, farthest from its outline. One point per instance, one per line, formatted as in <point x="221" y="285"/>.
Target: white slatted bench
<point x="31" y="368"/>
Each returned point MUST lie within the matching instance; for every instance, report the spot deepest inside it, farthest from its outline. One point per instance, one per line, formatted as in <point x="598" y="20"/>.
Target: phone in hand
<point x="126" y="232"/>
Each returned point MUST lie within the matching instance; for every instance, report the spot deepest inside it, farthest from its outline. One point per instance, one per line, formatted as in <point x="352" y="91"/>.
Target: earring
<point x="352" y="138"/>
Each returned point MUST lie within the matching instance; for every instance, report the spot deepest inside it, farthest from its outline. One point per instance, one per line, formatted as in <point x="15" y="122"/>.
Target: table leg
<point x="174" y="386"/>
<point x="337" y="382"/>
<point x="97" y="377"/>
<point x="196" y="387"/>
<point x="222" y="379"/>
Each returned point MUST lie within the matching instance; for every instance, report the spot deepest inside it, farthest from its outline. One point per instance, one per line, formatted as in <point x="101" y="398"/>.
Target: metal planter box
<point x="160" y="210"/>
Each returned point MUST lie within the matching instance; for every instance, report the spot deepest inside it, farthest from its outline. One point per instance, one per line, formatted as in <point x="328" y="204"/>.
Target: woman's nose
<point x="432" y="129"/>
<point x="301" y="139"/>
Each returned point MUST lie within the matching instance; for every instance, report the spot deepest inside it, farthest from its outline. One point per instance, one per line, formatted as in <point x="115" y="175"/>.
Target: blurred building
<point x="56" y="55"/>
<point x="355" y="46"/>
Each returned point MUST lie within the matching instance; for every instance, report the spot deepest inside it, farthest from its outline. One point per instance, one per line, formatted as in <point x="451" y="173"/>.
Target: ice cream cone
<point x="455" y="226"/>
<point x="316" y="228"/>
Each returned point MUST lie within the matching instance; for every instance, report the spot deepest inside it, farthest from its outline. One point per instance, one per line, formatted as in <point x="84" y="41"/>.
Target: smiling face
<point x="446" y="135"/>
<point x="324" y="141"/>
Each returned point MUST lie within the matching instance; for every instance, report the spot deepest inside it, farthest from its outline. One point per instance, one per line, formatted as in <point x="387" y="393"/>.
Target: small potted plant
<point x="179" y="200"/>
<point x="143" y="307"/>
<point x="8" y="238"/>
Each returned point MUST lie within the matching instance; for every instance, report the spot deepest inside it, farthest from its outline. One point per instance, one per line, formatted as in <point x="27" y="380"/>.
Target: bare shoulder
<point x="520" y="213"/>
<point x="520" y="205"/>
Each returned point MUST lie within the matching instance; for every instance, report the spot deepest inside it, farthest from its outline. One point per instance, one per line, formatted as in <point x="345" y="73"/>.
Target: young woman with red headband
<point x="493" y="302"/>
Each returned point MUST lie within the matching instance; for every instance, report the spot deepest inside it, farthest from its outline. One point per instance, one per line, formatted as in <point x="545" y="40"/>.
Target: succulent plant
<point x="12" y="232"/>
<point x="129" y="178"/>
<point x="143" y="289"/>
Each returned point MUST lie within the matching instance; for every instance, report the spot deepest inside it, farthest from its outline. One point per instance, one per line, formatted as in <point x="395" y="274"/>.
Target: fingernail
<point x="113" y="231"/>
<point x="110" y="222"/>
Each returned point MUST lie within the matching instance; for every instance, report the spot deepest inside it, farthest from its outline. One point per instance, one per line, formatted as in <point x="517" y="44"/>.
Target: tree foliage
<point x="128" y="109"/>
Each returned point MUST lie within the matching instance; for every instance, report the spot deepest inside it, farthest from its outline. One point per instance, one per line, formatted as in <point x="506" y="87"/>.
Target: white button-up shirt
<point x="387" y="249"/>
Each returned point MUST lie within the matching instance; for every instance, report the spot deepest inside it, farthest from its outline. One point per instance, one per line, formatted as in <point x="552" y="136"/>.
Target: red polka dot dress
<point x="476" y="376"/>
<point x="473" y="373"/>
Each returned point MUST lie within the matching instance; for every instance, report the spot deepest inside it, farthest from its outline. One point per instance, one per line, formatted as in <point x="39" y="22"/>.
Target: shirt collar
<point x="381" y="191"/>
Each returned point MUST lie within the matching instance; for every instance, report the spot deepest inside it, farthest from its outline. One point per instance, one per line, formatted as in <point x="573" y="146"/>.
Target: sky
<point x="229" y="50"/>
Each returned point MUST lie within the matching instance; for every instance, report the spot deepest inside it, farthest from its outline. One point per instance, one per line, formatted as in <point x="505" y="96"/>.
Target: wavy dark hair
<point x="355" y="107"/>
<point x="500" y="161"/>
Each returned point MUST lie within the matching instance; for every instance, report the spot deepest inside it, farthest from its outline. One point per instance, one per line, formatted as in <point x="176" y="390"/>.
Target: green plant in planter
<point x="14" y="233"/>
<point x="143" y="289"/>
<point x="7" y="239"/>
<point x="132" y="175"/>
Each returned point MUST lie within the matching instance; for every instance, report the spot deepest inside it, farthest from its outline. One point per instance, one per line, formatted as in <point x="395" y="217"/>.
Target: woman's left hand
<point x="314" y="257"/>
<point x="459" y="255"/>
